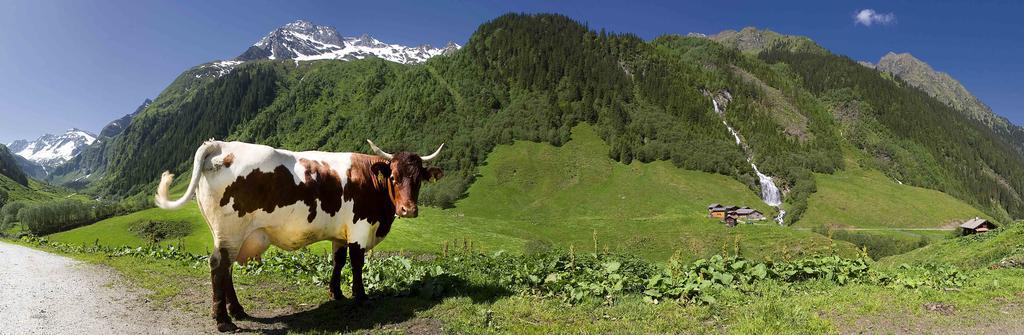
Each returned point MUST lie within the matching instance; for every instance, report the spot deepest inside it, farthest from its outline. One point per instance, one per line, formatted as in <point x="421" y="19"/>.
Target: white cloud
<point x="868" y="17"/>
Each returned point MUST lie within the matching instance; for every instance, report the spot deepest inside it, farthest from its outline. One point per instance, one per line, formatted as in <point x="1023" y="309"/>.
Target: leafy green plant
<point x="573" y="278"/>
<point x="928" y="274"/>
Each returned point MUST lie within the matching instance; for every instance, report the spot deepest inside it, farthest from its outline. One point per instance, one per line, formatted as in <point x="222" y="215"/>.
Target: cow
<point x="253" y="196"/>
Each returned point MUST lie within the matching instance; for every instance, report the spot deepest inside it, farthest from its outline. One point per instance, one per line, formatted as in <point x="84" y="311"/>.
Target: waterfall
<point x="769" y="192"/>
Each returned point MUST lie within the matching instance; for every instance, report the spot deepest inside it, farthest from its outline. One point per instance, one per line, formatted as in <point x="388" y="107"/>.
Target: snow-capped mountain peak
<point x="303" y="40"/>
<point x="51" y="150"/>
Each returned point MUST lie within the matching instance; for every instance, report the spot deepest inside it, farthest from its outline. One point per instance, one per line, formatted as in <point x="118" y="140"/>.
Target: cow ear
<point x="435" y="173"/>
<point x="381" y="169"/>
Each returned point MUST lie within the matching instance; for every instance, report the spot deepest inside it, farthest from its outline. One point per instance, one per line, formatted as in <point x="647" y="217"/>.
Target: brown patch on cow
<point x="325" y="182"/>
<point x="269" y="190"/>
<point x="371" y="192"/>
<point x="229" y="159"/>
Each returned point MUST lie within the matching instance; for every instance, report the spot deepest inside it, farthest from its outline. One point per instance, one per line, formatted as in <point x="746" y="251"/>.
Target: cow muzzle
<point x="408" y="211"/>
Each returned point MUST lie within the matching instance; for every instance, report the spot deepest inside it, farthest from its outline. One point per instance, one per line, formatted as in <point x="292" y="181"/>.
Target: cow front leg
<point x="334" y="287"/>
<point x="220" y="265"/>
<point x="234" y="307"/>
<point x="358" y="256"/>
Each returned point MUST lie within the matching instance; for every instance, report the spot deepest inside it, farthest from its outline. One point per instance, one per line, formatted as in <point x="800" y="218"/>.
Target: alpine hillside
<point x="115" y="127"/>
<point x="910" y="69"/>
<point x="9" y="167"/>
<point x="89" y="163"/>
<point x="948" y="90"/>
<point x="535" y="77"/>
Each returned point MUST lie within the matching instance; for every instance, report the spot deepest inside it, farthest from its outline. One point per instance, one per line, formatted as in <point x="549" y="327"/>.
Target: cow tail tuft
<point x="162" y="191"/>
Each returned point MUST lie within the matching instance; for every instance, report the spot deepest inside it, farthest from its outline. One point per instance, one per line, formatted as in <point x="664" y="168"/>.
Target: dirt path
<point x="43" y="293"/>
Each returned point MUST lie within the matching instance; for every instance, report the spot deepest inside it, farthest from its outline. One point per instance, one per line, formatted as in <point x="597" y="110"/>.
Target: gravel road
<point x="43" y="293"/>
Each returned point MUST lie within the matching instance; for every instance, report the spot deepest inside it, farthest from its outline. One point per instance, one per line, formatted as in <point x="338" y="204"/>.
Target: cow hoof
<point x="336" y="295"/>
<point x="224" y="327"/>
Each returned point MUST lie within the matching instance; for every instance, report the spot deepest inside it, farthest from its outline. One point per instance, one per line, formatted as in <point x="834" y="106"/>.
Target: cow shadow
<point x="381" y="312"/>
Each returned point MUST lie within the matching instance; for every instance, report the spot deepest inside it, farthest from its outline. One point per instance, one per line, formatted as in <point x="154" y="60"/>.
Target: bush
<point x="156" y="231"/>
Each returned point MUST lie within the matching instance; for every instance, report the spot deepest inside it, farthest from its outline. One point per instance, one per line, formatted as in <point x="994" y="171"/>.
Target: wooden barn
<point x="975" y="226"/>
<point x="719" y="211"/>
<point x="747" y="213"/>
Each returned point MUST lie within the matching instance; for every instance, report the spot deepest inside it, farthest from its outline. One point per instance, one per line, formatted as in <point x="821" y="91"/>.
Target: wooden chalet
<point x="976" y="225"/>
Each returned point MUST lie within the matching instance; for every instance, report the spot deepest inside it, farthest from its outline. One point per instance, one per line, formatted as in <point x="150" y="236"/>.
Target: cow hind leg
<point x="220" y="272"/>
<point x="334" y="288"/>
<point x="358" y="256"/>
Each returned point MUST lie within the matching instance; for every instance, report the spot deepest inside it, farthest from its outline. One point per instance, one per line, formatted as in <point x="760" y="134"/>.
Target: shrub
<point x="156" y="231"/>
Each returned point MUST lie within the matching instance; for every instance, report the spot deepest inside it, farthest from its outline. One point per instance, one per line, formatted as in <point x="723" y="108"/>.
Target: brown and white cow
<point x="253" y="196"/>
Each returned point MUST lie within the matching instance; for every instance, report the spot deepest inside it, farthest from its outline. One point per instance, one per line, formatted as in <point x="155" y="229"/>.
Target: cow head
<point x="407" y="174"/>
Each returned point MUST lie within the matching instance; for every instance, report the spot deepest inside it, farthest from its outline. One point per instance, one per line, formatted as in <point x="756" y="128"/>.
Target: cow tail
<point x="165" y="180"/>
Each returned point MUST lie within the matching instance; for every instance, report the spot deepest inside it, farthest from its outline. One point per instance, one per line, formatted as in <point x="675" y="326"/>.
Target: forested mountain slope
<point x="534" y="77"/>
<point x="9" y="167"/>
<point x="949" y="91"/>
<point x="912" y="136"/>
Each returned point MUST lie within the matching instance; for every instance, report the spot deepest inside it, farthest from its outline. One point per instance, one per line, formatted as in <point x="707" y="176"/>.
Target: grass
<point x="868" y="199"/>
<point x="572" y="196"/>
<point x="814" y="307"/>
<point x="115" y="231"/>
<point x="981" y="250"/>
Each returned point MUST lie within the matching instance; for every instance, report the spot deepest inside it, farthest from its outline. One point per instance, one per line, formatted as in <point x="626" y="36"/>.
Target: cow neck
<point x="375" y="180"/>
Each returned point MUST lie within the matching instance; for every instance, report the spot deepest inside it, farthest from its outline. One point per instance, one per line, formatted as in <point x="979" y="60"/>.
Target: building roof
<point x="714" y="205"/>
<point x="746" y="211"/>
<point x="974" y="223"/>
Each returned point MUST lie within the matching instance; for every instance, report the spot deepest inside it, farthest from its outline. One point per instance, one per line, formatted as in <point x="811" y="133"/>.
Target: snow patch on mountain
<point x="217" y="69"/>
<point x="52" y="150"/>
<point x="304" y="41"/>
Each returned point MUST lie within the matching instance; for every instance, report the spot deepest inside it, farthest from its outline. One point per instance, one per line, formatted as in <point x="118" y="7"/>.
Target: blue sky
<point x="81" y="64"/>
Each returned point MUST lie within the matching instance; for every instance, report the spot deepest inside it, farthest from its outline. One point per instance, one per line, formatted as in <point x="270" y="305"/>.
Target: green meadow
<point x="532" y="195"/>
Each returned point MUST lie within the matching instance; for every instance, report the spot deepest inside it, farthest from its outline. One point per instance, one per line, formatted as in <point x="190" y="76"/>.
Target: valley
<point x="579" y="166"/>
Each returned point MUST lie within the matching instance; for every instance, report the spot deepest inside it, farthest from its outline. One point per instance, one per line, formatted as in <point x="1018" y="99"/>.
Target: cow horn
<point x="433" y="155"/>
<point x="377" y="150"/>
